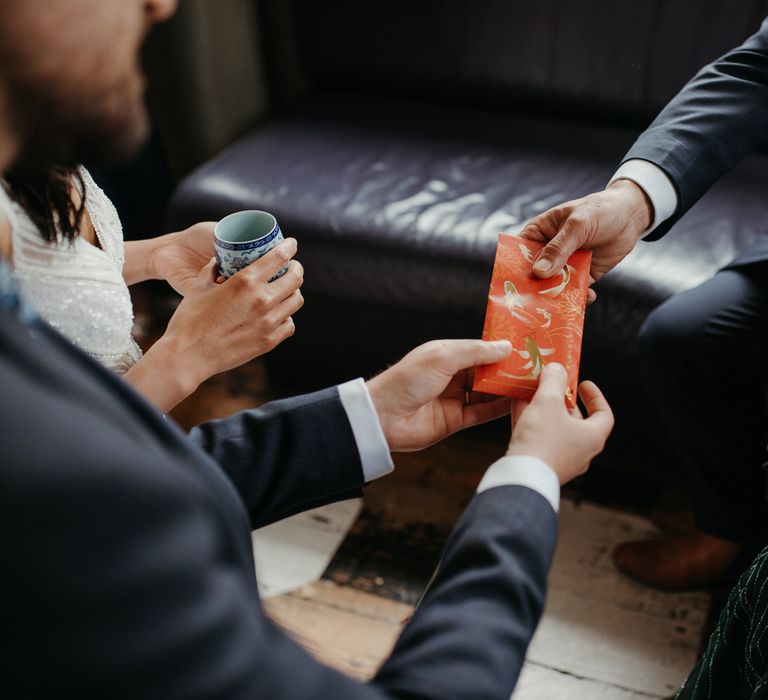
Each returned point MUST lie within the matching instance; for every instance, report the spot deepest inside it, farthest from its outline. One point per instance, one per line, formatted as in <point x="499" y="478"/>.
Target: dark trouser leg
<point x="735" y="662"/>
<point x="705" y="354"/>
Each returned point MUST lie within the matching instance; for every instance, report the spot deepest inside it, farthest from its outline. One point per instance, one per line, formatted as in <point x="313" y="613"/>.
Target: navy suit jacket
<point x="127" y="567"/>
<point x="717" y="118"/>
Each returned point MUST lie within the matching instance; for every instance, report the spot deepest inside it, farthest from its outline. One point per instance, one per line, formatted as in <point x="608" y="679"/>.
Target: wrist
<point x="182" y="373"/>
<point x="640" y="207"/>
<point x="155" y="269"/>
<point x="377" y="395"/>
<point x="372" y="385"/>
<point x="517" y="449"/>
<point x="139" y="264"/>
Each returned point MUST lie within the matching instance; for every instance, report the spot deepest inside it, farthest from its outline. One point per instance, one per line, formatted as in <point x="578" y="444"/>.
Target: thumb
<point x="552" y="385"/>
<point x="207" y="275"/>
<point x="453" y="356"/>
<point x="597" y="406"/>
<point x="518" y="408"/>
<point x="554" y="255"/>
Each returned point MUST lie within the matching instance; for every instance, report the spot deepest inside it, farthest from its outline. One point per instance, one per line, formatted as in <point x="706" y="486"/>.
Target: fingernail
<point x="502" y="345"/>
<point x="542" y="265"/>
<point x="557" y="367"/>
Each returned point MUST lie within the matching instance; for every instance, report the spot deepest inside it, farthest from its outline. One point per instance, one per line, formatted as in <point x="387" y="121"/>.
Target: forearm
<point x="287" y="456"/>
<point x="718" y="117"/>
<point x="139" y="260"/>
<point x="469" y="635"/>
<point x="163" y="376"/>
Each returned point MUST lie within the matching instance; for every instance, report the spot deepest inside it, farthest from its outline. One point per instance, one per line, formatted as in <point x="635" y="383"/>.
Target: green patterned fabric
<point x="735" y="663"/>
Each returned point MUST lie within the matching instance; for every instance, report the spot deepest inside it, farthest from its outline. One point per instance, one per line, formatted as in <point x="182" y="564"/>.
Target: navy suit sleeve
<point x="126" y="581"/>
<point x="718" y="117"/>
<point x="469" y="635"/>
<point x="287" y="456"/>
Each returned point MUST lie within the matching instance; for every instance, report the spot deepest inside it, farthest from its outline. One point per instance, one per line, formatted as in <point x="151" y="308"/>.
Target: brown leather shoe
<point x="677" y="561"/>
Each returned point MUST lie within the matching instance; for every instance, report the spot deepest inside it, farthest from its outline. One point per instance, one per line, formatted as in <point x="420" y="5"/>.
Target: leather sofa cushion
<point x="400" y="202"/>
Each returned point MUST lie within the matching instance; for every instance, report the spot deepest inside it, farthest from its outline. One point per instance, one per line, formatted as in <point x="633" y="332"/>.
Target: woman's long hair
<point x="45" y="194"/>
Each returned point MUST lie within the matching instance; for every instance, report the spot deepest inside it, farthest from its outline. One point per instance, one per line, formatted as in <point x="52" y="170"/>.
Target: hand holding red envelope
<point x="543" y="319"/>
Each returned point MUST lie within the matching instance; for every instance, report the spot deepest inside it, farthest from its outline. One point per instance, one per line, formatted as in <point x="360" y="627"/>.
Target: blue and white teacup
<point x="243" y="237"/>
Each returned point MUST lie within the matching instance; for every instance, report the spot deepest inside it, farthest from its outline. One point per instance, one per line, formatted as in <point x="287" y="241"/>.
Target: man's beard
<point x="59" y="129"/>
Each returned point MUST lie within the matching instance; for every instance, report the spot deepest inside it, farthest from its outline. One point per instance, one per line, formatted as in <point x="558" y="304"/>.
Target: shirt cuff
<point x="523" y="470"/>
<point x="362" y="416"/>
<point x="655" y="183"/>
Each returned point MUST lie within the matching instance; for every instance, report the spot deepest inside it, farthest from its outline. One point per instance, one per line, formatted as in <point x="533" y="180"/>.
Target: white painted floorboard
<point x="542" y="683"/>
<point x="602" y="635"/>
<point x="295" y="552"/>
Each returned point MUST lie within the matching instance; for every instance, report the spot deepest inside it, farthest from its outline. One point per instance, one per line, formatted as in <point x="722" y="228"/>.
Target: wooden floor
<point x="343" y="580"/>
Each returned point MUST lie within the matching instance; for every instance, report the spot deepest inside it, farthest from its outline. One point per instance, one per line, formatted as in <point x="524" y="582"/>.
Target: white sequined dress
<point x="77" y="287"/>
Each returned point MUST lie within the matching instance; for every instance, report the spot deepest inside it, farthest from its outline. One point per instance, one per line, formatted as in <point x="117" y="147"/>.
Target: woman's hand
<point x="220" y="326"/>
<point x="179" y="257"/>
<point x="564" y="439"/>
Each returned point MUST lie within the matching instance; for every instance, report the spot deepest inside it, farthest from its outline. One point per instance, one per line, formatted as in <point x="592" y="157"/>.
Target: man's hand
<point x="425" y="397"/>
<point x="564" y="439"/>
<point x="609" y="223"/>
<point x="179" y="257"/>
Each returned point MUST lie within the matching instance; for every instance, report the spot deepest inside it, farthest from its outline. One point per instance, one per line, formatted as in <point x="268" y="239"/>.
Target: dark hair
<point x="45" y="194"/>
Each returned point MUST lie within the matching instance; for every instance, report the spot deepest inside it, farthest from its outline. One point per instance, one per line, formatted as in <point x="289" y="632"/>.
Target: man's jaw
<point x="9" y="142"/>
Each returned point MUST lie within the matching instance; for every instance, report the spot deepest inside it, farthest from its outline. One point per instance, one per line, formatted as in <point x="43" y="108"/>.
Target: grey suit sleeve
<point x="717" y="118"/>
<point x="287" y="456"/>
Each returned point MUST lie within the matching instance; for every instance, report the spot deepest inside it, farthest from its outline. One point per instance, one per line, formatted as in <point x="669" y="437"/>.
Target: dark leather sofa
<point x="424" y="128"/>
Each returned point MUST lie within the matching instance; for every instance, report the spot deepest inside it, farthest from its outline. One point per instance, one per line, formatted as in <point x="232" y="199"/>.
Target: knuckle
<point x="577" y="217"/>
<point x="556" y="244"/>
<point x="272" y="320"/>
<point x="438" y="351"/>
<point x="578" y="223"/>
<point x="244" y="282"/>
<point x="262" y="297"/>
<point x="558" y="213"/>
<point x="582" y="222"/>
<point x="283" y="254"/>
<point x="239" y="281"/>
<point x="297" y="274"/>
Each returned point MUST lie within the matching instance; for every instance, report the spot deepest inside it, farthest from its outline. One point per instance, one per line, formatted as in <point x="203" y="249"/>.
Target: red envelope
<point x="543" y="319"/>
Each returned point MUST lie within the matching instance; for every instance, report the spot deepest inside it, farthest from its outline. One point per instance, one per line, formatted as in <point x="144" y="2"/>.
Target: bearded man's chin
<point x="103" y="141"/>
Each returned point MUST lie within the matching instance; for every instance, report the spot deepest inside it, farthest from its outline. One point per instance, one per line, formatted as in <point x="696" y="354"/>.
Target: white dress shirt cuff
<point x="655" y="183"/>
<point x="523" y="470"/>
<point x="371" y="443"/>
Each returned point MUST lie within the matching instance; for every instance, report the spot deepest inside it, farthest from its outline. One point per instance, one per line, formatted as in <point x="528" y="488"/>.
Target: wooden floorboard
<point x="351" y="630"/>
<point x="296" y="551"/>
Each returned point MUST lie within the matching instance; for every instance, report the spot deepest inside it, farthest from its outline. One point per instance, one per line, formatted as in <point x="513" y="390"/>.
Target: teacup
<point x="243" y="237"/>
